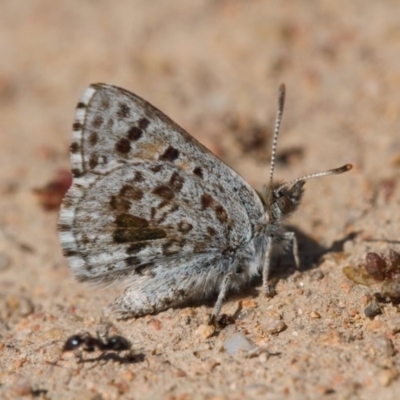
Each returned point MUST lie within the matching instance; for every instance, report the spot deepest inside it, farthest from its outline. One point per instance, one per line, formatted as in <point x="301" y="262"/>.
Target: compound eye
<point x="284" y="204"/>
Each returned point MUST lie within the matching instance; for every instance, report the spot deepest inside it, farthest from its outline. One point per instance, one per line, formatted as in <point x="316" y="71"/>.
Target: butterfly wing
<point x="146" y="195"/>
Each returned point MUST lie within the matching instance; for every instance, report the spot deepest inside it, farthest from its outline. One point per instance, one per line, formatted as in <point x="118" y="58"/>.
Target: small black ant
<point x="90" y="343"/>
<point x="109" y="347"/>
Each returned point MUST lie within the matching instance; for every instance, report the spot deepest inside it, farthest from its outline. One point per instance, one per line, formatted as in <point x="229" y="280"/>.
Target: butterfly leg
<point x="225" y="286"/>
<point x="268" y="289"/>
<point x="221" y="297"/>
<point x="291" y="238"/>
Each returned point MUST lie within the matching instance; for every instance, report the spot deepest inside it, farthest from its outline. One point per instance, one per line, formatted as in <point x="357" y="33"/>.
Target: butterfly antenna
<point x="278" y="119"/>
<point x="334" y="171"/>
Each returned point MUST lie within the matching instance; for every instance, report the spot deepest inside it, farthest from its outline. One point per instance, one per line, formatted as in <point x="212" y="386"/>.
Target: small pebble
<point x="315" y="315"/>
<point x="248" y="303"/>
<point x="180" y="373"/>
<point x="128" y="376"/>
<point x="238" y="342"/>
<point x="272" y="326"/>
<point x="383" y="346"/>
<point x="205" y="331"/>
<point x="263" y="357"/>
<point x="387" y="376"/>
<point x="155" y="324"/>
<point x="372" y="310"/>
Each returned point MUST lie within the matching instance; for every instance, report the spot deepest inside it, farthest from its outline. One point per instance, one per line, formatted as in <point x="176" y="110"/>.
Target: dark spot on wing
<point x="74" y="147"/>
<point x="123" y="111"/>
<point x="131" y="192"/>
<point x="105" y="104"/>
<point x="156" y="168"/>
<point x="143" y="123"/>
<point x="69" y="253"/>
<point x="184" y="227"/>
<point x="110" y="123"/>
<point x="93" y="160"/>
<point x="211" y="231"/>
<point x="123" y="146"/>
<point x="171" y="154"/>
<point x="76" y="172"/>
<point x="174" y="208"/>
<point x="81" y="105"/>
<point x="134" y="133"/>
<point x="172" y="247"/>
<point x="131" y="221"/>
<point x="145" y="269"/>
<point x="64" y="227"/>
<point x="220" y="213"/>
<point x="132" y="260"/>
<point x="164" y="192"/>
<point x="136" y="247"/>
<point x="138" y="235"/>
<point x="138" y="177"/>
<point x="93" y="138"/>
<point x="98" y="121"/>
<point x="200" y="247"/>
<point x="162" y="217"/>
<point x="85" y="240"/>
<point x="119" y="203"/>
<point x="176" y="182"/>
<point x="206" y="200"/>
<point x="77" y="126"/>
<point x="103" y="159"/>
<point x="160" y="206"/>
<point x="199" y="172"/>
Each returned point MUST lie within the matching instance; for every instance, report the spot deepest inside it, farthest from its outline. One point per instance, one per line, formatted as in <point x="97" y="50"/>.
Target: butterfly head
<point x="281" y="199"/>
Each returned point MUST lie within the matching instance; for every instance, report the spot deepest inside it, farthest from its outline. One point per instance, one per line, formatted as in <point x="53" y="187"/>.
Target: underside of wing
<point x="145" y="194"/>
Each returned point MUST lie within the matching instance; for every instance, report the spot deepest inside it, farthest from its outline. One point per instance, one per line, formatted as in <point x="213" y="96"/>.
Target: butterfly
<point x="153" y="208"/>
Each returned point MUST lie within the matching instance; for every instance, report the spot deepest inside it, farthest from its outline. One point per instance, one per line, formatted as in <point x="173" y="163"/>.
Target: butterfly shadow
<point x="283" y="265"/>
<point x="310" y="253"/>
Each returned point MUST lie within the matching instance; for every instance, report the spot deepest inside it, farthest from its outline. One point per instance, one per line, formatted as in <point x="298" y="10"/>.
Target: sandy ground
<point x="214" y="67"/>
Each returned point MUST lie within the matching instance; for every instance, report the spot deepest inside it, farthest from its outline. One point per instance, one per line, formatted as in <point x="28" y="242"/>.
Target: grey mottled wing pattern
<point x="146" y="195"/>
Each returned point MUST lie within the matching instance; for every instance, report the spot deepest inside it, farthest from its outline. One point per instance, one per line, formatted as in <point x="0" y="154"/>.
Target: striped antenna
<point x="334" y="171"/>
<point x="278" y="119"/>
